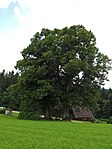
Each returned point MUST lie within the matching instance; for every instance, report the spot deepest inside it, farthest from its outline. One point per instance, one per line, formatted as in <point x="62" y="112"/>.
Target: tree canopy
<point x="61" y="68"/>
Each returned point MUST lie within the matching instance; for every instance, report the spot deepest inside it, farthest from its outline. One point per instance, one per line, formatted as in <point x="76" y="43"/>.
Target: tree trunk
<point x="66" y="115"/>
<point x="47" y="114"/>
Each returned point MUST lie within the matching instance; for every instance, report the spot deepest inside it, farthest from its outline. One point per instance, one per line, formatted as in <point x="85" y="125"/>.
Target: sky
<point x="21" y="19"/>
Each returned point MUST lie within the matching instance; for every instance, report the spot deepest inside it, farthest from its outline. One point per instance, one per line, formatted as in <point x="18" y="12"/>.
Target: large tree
<point x="61" y="68"/>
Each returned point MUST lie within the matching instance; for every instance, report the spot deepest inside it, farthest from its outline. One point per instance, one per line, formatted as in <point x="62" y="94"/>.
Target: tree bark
<point x="47" y="113"/>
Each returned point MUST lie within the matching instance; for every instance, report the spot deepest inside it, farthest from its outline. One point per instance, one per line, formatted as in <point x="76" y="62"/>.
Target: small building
<point x="81" y="113"/>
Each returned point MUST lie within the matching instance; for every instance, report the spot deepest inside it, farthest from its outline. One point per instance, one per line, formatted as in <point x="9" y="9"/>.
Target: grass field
<point x="23" y="134"/>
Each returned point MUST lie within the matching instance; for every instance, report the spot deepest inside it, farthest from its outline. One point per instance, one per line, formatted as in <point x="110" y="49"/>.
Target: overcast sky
<point x="21" y="19"/>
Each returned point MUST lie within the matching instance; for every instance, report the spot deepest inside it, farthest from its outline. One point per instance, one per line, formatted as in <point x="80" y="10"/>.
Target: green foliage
<point x="105" y="104"/>
<point x="6" y="79"/>
<point x="13" y="96"/>
<point x="109" y="120"/>
<point x="61" y="67"/>
<point x="28" y="111"/>
<point x="101" y="121"/>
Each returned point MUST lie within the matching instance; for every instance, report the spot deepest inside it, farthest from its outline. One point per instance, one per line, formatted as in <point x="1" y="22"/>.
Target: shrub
<point x="2" y="110"/>
<point x="109" y="120"/>
<point x="98" y="121"/>
<point x="103" y="120"/>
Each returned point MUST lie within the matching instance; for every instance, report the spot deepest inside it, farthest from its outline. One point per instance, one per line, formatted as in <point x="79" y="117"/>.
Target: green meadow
<point x="26" y="134"/>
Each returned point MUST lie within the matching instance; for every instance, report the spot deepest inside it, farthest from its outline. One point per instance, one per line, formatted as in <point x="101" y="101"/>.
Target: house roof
<point x="82" y="112"/>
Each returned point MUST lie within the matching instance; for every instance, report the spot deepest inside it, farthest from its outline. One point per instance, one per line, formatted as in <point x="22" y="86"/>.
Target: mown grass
<point x="25" y="134"/>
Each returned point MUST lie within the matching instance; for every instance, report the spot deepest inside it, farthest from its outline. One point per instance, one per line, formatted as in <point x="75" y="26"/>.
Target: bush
<point x="2" y="110"/>
<point x="103" y="120"/>
<point x="98" y="121"/>
<point x="109" y="120"/>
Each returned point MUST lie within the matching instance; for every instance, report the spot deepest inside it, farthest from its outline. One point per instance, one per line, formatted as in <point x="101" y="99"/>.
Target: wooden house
<point x="79" y="113"/>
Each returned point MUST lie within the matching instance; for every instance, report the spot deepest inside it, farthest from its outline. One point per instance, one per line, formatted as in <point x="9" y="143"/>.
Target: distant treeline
<point x="6" y="80"/>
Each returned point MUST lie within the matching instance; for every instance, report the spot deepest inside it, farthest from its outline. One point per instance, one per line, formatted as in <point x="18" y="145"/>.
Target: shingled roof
<point x="82" y="113"/>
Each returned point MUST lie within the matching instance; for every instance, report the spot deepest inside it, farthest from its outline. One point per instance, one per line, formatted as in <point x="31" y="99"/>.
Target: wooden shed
<point x="81" y="113"/>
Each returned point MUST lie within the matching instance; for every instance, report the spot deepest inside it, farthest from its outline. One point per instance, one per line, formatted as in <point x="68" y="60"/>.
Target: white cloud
<point x="21" y="8"/>
<point x="22" y="13"/>
<point x="17" y="12"/>
<point x="5" y="3"/>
